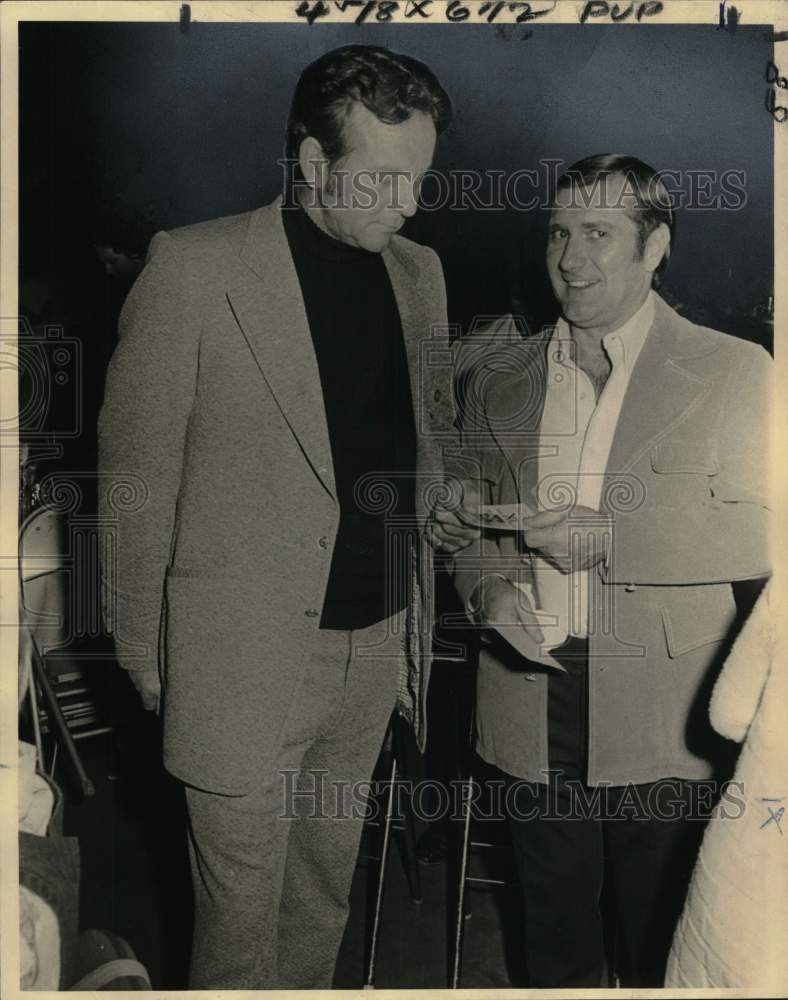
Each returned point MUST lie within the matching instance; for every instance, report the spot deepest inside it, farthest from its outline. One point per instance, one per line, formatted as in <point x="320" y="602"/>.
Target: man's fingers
<point x="471" y="496"/>
<point x="539" y="538"/>
<point x="150" y="699"/>
<point x="450" y="538"/>
<point x="449" y="518"/>
<point x="463" y="493"/>
<point x="458" y="516"/>
<point x="449" y="531"/>
<point x="546" y="519"/>
<point x="449" y="534"/>
<point x="148" y="685"/>
<point x="451" y="545"/>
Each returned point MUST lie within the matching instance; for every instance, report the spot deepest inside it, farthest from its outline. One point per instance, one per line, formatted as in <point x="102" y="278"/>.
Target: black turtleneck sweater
<point x="357" y="336"/>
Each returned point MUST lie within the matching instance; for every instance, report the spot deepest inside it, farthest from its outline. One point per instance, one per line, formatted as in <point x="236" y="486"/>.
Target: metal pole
<point x="368" y="984"/>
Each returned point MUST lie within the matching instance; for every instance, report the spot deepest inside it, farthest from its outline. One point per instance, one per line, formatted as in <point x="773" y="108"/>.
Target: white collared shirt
<point x="575" y="438"/>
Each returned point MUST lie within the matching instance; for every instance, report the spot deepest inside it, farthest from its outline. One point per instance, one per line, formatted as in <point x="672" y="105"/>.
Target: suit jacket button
<point x="323" y="542"/>
<point x="311" y="612"/>
<point x="529" y="676"/>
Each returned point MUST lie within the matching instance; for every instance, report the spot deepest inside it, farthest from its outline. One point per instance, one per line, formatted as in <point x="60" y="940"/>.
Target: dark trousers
<point x="568" y="836"/>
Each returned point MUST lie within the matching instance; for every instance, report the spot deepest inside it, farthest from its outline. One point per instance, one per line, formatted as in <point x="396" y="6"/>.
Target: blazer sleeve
<point x="727" y="537"/>
<point x="149" y="392"/>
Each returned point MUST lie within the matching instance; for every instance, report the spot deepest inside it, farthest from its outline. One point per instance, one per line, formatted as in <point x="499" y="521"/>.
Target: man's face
<point x="374" y="188"/>
<point x="598" y="273"/>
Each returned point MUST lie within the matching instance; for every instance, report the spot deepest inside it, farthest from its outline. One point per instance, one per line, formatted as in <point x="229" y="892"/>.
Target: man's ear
<point x="313" y="163"/>
<point x="657" y="247"/>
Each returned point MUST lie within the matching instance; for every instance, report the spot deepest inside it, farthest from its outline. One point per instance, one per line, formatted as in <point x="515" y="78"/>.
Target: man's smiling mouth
<point x="580" y="284"/>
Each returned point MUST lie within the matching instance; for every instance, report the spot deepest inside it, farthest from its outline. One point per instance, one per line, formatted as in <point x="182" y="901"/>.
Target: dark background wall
<point x="188" y="126"/>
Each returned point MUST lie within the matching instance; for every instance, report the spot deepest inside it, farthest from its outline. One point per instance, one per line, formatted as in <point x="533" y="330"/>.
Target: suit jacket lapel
<point x="514" y="402"/>
<point x="404" y="279"/>
<point x="418" y="339"/>
<point x="663" y="392"/>
<point x="269" y="308"/>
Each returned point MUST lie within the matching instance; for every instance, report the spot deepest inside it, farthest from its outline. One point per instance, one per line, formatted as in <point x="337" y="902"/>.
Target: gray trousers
<point x="272" y="869"/>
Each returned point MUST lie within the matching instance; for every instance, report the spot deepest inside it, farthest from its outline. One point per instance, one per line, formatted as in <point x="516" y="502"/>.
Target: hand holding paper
<point x="572" y="540"/>
<point x="509" y="609"/>
<point x="451" y="529"/>
<point x="498" y="517"/>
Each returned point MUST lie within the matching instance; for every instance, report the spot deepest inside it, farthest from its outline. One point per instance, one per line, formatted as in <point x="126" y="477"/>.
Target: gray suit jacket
<point x="223" y="533"/>
<point x="686" y="483"/>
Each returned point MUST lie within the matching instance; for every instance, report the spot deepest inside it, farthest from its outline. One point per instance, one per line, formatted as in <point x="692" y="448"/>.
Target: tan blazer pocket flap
<point x="684" y="456"/>
<point x="699" y="620"/>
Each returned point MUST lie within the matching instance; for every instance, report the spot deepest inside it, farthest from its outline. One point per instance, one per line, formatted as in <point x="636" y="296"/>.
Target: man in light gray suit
<point x="271" y="581"/>
<point x="640" y="442"/>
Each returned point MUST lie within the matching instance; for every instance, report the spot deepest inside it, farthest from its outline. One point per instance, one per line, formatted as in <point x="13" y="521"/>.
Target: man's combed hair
<point x="653" y="203"/>
<point x="390" y="85"/>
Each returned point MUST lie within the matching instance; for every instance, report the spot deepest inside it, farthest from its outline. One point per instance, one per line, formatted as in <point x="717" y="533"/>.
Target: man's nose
<point x="573" y="256"/>
<point x="408" y="196"/>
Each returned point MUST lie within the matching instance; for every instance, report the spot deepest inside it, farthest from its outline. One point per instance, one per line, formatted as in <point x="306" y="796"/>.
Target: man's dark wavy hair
<point x="654" y="203"/>
<point x="390" y="85"/>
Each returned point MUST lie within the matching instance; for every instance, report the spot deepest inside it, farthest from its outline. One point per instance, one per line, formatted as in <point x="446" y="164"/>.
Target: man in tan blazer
<point x="636" y="442"/>
<point x="275" y="416"/>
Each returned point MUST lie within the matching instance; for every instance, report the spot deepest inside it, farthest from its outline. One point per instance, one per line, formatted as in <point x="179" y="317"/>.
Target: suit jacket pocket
<point x="677" y="455"/>
<point x="697" y="616"/>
